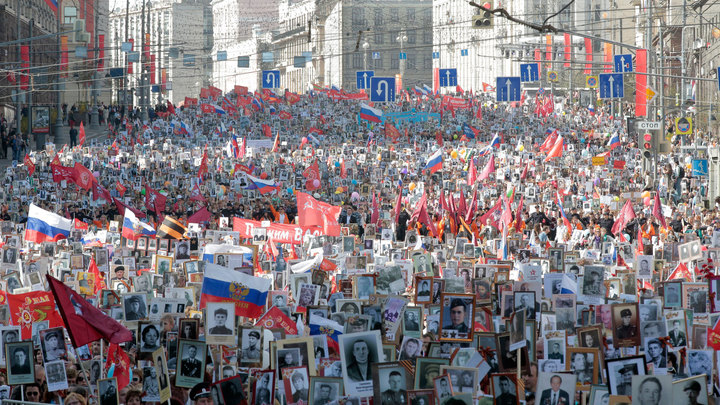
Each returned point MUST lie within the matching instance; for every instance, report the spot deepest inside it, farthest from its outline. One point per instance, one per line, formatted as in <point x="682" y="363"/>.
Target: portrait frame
<point x="353" y="380"/>
<point x="663" y="381"/>
<point x="244" y="335"/>
<point x="679" y="387"/>
<point x="423" y="300"/>
<point x="460" y="372"/>
<point x="613" y="368"/>
<point x="182" y="379"/>
<point x="316" y="386"/>
<point x="381" y="374"/>
<point x="424" y="369"/>
<point x="621" y="332"/>
<point x="17" y="374"/>
<point x="497" y="379"/>
<point x="268" y="375"/>
<point x="220" y="334"/>
<point x="544" y="387"/>
<point x="574" y="353"/>
<point x="450" y="331"/>
<point x="103" y="385"/>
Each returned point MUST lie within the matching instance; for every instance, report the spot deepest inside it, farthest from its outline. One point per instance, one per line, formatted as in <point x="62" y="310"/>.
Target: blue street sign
<point x="402" y="55"/>
<point x="376" y="55"/>
<point x="463" y="52"/>
<point x="436" y="55"/>
<point x="270" y="79"/>
<point x="699" y="167"/>
<point x="529" y="72"/>
<point x="382" y="89"/>
<point x="363" y="78"/>
<point x="611" y="85"/>
<point x="448" y="77"/>
<point x="623" y="63"/>
<point x="508" y="89"/>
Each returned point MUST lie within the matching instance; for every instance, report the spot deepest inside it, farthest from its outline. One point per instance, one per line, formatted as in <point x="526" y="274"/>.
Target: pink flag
<point x="472" y="173"/>
<point x="375" y="211"/>
<point x="657" y="211"/>
<point x="626" y="215"/>
<point x="556" y="150"/>
<point x="489" y="169"/>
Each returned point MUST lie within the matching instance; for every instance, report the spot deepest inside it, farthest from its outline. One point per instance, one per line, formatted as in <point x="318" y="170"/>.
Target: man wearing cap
<point x="133" y="309"/>
<point x="692" y="390"/>
<point x="626" y="330"/>
<point x="626" y="373"/>
<point x="252" y="351"/>
<point x="220" y="316"/>
<point x="200" y="394"/>
<point x="431" y="371"/>
<point x="457" y="316"/>
<point x="52" y="349"/>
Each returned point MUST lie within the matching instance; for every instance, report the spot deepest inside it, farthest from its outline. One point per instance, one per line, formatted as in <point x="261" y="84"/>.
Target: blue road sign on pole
<point x="448" y="77"/>
<point x="382" y="89"/>
<point x="529" y="72"/>
<point x="436" y="55"/>
<point x="376" y="55"/>
<point x="402" y="56"/>
<point x="270" y="79"/>
<point x="611" y="85"/>
<point x="623" y="63"/>
<point x="363" y="78"/>
<point x="508" y="89"/>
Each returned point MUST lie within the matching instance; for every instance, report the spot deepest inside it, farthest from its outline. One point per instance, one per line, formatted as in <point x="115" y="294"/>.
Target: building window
<point x="394" y="14"/>
<point x="379" y="38"/>
<point x="379" y="19"/>
<point x="378" y="63"/>
<point x="410" y="62"/>
<point x="410" y="15"/>
<point x="394" y="36"/>
<point x="394" y="61"/>
<point x="412" y="37"/>
<point x="427" y="62"/>
<point x="358" y="16"/>
<point x="70" y="15"/>
<point x="357" y="60"/>
<point x="427" y="37"/>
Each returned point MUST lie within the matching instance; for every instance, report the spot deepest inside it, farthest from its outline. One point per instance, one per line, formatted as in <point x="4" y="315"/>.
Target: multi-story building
<point x="176" y="60"/>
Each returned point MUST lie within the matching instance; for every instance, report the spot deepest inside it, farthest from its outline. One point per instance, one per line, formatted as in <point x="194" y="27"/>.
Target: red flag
<point x="459" y="89"/>
<point x="472" y="173"/>
<point x="518" y="214"/>
<point x="556" y="150"/>
<point x="81" y="133"/>
<point x="276" y="144"/>
<point x="267" y="131"/>
<point x="285" y="115"/>
<point x="29" y="164"/>
<point x="713" y="336"/>
<point x="36" y="306"/>
<point x="506" y="217"/>
<point x="657" y="210"/>
<point x="274" y="318"/>
<point x="121" y="207"/>
<point x="398" y="204"/>
<point x="462" y="208"/>
<point x="343" y="171"/>
<point x="99" y="279"/>
<point x="271" y="249"/>
<point x="83" y="321"/>
<point x="170" y="107"/>
<point x="421" y="215"/>
<point x="202" y="215"/>
<point x="312" y="212"/>
<point x="489" y="169"/>
<point x="311" y="174"/>
<point x="195" y="194"/>
<point x="626" y="215"/>
<point x="120" y="188"/>
<point x="524" y="172"/>
<point x="493" y="214"/>
<point x="82" y="176"/>
<point x="80" y="225"/>
<point x="120" y="359"/>
<point x="203" y="169"/>
<point x="478" y="113"/>
<point x="375" y="216"/>
<point x="473" y="206"/>
<point x="438" y="137"/>
<point x="443" y="203"/>
<point x="154" y="201"/>
<point x="680" y="272"/>
<point x="391" y="132"/>
<point x="640" y="246"/>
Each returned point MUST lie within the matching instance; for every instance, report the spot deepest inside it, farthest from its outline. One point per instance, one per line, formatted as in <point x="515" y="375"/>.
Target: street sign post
<point x="648" y="126"/>
<point x="448" y="77"/>
<point x="382" y="89"/>
<point x="270" y="79"/>
<point x="623" y="63"/>
<point x="508" y="89"/>
<point x="529" y="72"/>
<point x="363" y="79"/>
<point x="611" y="85"/>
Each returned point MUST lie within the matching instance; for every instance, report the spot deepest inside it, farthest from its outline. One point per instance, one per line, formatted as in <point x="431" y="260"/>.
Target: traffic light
<point x="484" y="19"/>
<point x="646" y="145"/>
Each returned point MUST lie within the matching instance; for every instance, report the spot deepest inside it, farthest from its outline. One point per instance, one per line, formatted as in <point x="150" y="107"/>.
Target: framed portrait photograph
<point x="557" y="259"/>
<point x="296" y="382"/>
<point x="134" y="307"/>
<point x="264" y="387"/>
<point x="191" y="370"/>
<point x="421" y="397"/>
<point x="410" y="348"/>
<point x="20" y="368"/>
<point x="108" y="391"/>
<point x="676" y="325"/>
<point x="695" y="297"/>
<point x="250" y="345"/>
<point x="555" y="388"/>
<point x="163" y="264"/>
<point x="412" y="320"/>
<point x="357" y="352"/>
<point x="456" y="316"/>
<point x="590" y="337"/>
<point x="504" y="388"/>
<point x="584" y="364"/>
<point x="652" y="389"/>
<point x="672" y="297"/>
<point x="220" y="323"/>
<point x="392" y="382"/>
<point x="188" y="328"/>
<point x="625" y="325"/>
<point x="148" y="337"/>
<point x="422" y="290"/>
<point x="462" y="379"/>
<point x="306" y="355"/>
<point x="426" y="370"/>
<point x="620" y="373"/>
<point x="364" y="286"/>
<point x="691" y="390"/>
<point x="52" y="342"/>
<point x="230" y="391"/>
<point x="525" y="303"/>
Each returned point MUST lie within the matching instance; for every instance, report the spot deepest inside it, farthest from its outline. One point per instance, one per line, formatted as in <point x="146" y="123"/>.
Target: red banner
<point x="312" y="212"/>
<point x="215" y="92"/>
<point x="280" y="233"/>
<point x="152" y="69"/>
<point x="101" y="52"/>
<point x="63" y="53"/>
<point x="618" y="164"/>
<point x="641" y="83"/>
<point x="204" y="93"/>
<point x="32" y="307"/>
<point x="241" y="90"/>
<point x="25" y="63"/>
<point x="608" y="53"/>
<point x="568" y="50"/>
<point x="130" y="64"/>
<point x="548" y="47"/>
<point x="189" y="102"/>
<point x="274" y="318"/>
<point x="588" y="56"/>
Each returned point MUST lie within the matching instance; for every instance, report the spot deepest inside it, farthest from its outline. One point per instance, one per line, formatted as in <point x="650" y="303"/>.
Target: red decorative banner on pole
<point x="568" y="50"/>
<point x="130" y="64"/>
<point x="548" y="47"/>
<point x="608" y="57"/>
<point x="588" y="56"/>
<point x="101" y="52"/>
<point x="152" y="69"/>
<point x="641" y="83"/>
<point x="24" y="64"/>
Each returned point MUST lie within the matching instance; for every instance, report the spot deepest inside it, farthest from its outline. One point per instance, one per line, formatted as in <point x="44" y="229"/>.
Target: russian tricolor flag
<point x="591" y="109"/>
<point x="46" y="226"/>
<point x="133" y="228"/>
<point x="370" y="114"/>
<point x="219" y="110"/>
<point x="248" y="293"/>
<point x="614" y="141"/>
<point x="435" y="162"/>
<point x="263" y="186"/>
<point x="323" y="326"/>
<point x="235" y="147"/>
<point x="565" y="219"/>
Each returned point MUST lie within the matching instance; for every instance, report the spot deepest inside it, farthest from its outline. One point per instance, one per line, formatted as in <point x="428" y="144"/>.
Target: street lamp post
<point x="365" y="46"/>
<point x="402" y="38"/>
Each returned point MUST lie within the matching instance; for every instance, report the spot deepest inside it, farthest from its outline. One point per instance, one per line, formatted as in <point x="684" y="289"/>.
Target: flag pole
<point x="91" y="395"/>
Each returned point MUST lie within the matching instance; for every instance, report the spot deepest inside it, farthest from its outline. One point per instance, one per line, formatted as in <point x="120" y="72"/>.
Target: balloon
<point x="289" y="190"/>
<point x="303" y="141"/>
<point x="411" y="186"/>
<point x="404" y="170"/>
<point x="379" y="158"/>
<point x="645" y="194"/>
<point x="647" y="201"/>
<point x="355" y="196"/>
<point x="454" y="154"/>
<point x="263" y="175"/>
<point x="337" y="164"/>
<point x="316" y="183"/>
<point x="522" y="148"/>
<point x="354" y="182"/>
<point x="454" y="136"/>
